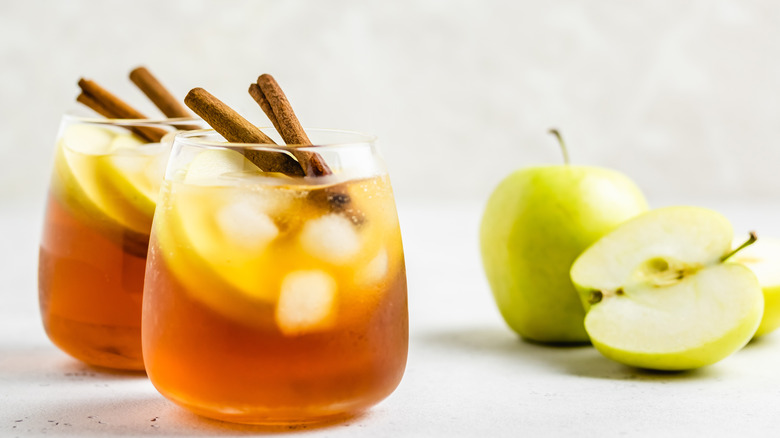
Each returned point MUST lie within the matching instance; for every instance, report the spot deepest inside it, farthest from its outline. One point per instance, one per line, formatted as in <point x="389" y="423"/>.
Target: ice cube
<point x="374" y="271"/>
<point x="306" y="302"/>
<point x="245" y="224"/>
<point x="332" y="238"/>
<point x="209" y="166"/>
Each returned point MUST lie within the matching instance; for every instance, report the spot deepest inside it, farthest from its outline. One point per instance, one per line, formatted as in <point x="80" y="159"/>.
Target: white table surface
<point x="467" y="374"/>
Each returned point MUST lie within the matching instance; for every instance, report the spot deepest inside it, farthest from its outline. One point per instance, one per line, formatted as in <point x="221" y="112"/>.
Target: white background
<point x="683" y="96"/>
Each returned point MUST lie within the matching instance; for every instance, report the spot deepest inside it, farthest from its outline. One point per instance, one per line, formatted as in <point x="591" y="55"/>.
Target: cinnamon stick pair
<point x="108" y="105"/>
<point x="269" y="95"/>
<point x="235" y="128"/>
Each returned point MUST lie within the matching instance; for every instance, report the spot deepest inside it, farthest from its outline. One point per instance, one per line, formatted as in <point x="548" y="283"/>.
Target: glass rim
<point x="99" y="120"/>
<point x="197" y="138"/>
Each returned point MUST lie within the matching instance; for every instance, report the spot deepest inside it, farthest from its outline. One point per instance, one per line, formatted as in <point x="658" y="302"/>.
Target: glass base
<point x="275" y="417"/>
<point x="117" y="348"/>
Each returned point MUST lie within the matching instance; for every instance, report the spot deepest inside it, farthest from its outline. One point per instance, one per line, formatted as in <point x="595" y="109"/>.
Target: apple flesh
<point x="112" y="173"/>
<point x="536" y="223"/>
<point x="763" y="258"/>
<point x="659" y="296"/>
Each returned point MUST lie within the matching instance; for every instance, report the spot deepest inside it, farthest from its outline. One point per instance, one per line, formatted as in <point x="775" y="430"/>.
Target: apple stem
<point x="557" y="135"/>
<point x="753" y="237"/>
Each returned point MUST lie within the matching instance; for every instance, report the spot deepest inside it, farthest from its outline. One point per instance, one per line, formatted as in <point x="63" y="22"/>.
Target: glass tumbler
<point x="275" y="299"/>
<point x="102" y="195"/>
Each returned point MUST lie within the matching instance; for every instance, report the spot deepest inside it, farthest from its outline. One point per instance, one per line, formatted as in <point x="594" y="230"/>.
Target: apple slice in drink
<point x="659" y="296"/>
<point x="198" y="275"/>
<point x="107" y="172"/>
<point x="137" y="170"/>
<point x="217" y="240"/>
<point x="226" y="227"/>
<point x="763" y="258"/>
<point x="232" y="226"/>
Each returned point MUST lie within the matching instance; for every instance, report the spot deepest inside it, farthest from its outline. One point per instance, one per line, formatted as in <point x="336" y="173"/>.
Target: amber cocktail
<point x="98" y="217"/>
<point x="270" y="298"/>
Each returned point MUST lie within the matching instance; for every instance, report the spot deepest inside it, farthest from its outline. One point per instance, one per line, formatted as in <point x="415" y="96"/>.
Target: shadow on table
<point x="72" y="398"/>
<point x="579" y="360"/>
<point x="150" y="415"/>
<point x="46" y="365"/>
<point x="181" y="418"/>
<point x="766" y="341"/>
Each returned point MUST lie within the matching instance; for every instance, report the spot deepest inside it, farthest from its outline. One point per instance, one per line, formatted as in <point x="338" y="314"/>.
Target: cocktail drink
<point x="271" y="298"/>
<point x="101" y="201"/>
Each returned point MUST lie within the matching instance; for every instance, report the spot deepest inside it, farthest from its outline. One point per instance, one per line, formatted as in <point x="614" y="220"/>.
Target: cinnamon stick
<point x="259" y="97"/>
<point x="237" y="129"/>
<point x="269" y="95"/>
<point x="108" y="105"/>
<point x="158" y="94"/>
<point x="94" y="105"/>
<point x="289" y="127"/>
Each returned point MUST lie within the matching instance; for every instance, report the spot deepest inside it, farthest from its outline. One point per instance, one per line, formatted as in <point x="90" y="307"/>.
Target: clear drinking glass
<point x="272" y="299"/>
<point x="102" y="195"/>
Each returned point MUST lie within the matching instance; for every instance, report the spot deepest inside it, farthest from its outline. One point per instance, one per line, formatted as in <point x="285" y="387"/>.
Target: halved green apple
<point x="659" y="296"/>
<point x="763" y="258"/>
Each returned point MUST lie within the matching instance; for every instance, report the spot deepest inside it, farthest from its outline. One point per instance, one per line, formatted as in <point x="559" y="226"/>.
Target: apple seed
<point x="595" y="297"/>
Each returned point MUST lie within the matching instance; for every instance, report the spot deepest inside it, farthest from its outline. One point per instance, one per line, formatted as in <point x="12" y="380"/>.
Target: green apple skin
<point x="763" y="257"/>
<point x="536" y="223"/>
<point x="771" y="319"/>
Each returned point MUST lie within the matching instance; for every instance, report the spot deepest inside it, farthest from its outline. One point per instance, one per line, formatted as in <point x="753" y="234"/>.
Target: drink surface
<point x="98" y="217"/>
<point x="275" y="303"/>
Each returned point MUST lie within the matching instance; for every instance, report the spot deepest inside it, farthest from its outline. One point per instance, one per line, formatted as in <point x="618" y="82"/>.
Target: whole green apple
<point x="536" y="223"/>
